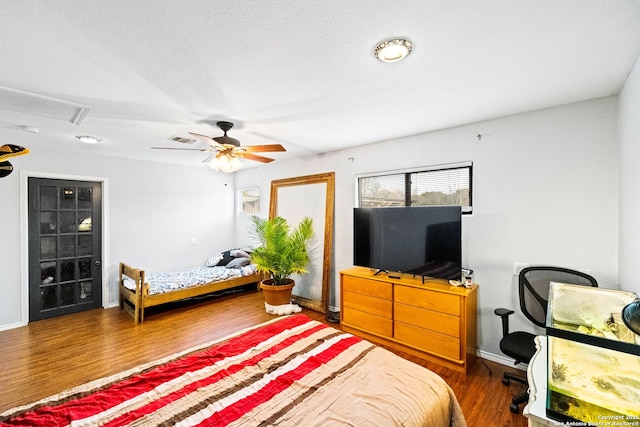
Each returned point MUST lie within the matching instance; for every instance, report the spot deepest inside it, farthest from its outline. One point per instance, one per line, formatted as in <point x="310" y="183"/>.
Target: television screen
<point x="420" y="240"/>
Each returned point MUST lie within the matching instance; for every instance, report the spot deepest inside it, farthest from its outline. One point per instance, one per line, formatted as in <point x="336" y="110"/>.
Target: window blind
<point x="428" y="186"/>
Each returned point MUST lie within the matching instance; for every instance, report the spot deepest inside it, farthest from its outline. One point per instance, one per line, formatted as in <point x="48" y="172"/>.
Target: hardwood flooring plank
<point x="49" y="356"/>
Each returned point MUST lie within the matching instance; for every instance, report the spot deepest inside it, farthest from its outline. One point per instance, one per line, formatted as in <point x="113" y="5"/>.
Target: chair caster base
<point x="514" y="408"/>
<point x="506" y="381"/>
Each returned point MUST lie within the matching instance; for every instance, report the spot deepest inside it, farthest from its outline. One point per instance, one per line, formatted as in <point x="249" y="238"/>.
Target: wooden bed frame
<point x="141" y="299"/>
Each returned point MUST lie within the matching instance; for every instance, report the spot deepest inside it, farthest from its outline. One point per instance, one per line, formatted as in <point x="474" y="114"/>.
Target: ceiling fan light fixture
<point x="393" y="50"/>
<point x="225" y="163"/>
<point x="227" y="150"/>
<point x="88" y="139"/>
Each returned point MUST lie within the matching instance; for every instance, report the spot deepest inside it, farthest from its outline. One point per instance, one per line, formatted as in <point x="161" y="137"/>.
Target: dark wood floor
<point x="52" y="355"/>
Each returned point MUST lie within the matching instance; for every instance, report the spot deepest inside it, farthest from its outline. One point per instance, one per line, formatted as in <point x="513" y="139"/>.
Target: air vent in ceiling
<point x="43" y="106"/>
<point x="182" y="140"/>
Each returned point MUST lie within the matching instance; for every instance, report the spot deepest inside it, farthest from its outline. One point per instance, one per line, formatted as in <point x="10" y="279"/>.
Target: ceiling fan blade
<point x="255" y="157"/>
<point x="263" y="148"/>
<point x="208" y="159"/>
<point x="180" y="148"/>
<point x="208" y="140"/>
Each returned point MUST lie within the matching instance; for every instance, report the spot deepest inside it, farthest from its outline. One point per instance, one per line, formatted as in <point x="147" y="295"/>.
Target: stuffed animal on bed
<point x="234" y="258"/>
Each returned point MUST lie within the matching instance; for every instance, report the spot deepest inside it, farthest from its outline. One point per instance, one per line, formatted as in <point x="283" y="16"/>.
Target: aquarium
<point x="593" y="365"/>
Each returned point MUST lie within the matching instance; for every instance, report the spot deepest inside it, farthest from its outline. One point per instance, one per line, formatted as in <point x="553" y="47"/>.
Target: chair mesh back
<point x="534" y="288"/>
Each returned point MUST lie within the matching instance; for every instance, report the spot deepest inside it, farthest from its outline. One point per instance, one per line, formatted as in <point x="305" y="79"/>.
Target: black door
<point x="65" y="241"/>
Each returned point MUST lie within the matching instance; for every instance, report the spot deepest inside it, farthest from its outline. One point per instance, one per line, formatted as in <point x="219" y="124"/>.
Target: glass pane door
<point x="64" y="247"/>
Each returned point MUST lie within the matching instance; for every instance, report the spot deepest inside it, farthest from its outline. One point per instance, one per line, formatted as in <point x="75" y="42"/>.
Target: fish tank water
<point x="593" y="364"/>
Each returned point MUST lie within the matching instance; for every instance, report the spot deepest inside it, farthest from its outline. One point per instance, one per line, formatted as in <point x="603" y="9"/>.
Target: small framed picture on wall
<point x="249" y="201"/>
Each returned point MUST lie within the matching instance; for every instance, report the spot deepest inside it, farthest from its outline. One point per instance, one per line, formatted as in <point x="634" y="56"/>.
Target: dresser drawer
<point x="436" y="301"/>
<point x="368" y="322"/>
<point x="427" y="319"/>
<point x="373" y="288"/>
<point x="377" y="306"/>
<point x="430" y="341"/>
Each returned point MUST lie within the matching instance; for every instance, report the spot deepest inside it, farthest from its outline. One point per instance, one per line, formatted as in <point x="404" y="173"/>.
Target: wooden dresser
<point x="434" y="321"/>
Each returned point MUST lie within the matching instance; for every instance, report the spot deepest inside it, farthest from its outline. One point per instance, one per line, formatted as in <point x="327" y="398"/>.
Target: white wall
<point x="154" y="209"/>
<point x="629" y="135"/>
<point x="545" y="192"/>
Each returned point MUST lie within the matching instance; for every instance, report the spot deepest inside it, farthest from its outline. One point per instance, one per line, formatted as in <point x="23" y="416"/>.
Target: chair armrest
<point x="504" y="313"/>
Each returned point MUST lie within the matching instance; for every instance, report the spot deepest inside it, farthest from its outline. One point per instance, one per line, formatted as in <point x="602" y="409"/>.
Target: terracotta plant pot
<point x="277" y="295"/>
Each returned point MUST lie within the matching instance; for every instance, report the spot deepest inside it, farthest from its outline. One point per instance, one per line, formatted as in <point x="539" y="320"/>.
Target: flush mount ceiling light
<point x="29" y="129"/>
<point x="393" y="50"/>
<point x="88" y="139"/>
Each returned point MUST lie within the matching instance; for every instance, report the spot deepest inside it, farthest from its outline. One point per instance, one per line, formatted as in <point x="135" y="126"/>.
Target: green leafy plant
<point x="281" y="251"/>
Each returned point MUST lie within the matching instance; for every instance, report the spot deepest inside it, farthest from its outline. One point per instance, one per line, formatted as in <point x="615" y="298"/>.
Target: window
<point x="444" y="185"/>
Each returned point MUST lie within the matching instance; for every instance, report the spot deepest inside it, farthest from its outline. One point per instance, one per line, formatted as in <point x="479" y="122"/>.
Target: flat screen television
<point x="419" y="240"/>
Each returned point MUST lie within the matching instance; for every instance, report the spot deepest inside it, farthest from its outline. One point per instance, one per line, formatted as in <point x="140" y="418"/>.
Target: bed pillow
<point x="238" y="262"/>
<point x="214" y="260"/>
<point x="239" y="253"/>
<point x="224" y="258"/>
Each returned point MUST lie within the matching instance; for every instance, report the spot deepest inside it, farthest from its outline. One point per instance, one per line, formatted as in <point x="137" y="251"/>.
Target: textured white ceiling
<point x="301" y="73"/>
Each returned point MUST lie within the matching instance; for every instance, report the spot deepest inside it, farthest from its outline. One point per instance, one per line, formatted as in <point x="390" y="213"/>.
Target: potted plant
<point x="281" y="251"/>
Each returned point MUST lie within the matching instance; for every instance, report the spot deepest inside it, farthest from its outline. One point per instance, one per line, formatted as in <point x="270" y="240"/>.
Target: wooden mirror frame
<point x="328" y="178"/>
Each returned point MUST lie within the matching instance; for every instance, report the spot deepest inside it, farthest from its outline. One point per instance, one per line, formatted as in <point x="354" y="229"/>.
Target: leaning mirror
<point x="312" y="196"/>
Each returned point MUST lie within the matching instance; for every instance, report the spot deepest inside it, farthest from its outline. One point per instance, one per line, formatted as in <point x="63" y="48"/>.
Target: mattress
<point x="188" y="277"/>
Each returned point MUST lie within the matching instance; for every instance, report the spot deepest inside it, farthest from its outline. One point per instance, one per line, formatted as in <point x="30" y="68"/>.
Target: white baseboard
<point x="10" y="326"/>
<point x="498" y="358"/>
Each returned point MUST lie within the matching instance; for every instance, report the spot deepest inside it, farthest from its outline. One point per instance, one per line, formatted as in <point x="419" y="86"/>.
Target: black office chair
<point x="533" y="286"/>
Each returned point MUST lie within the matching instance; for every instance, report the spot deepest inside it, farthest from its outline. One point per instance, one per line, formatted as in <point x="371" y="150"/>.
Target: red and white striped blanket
<point x="291" y="372"/>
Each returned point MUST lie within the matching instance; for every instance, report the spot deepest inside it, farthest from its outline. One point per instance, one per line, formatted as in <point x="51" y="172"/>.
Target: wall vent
<point x="20" y="101"/>
<point x="182" y="140"/>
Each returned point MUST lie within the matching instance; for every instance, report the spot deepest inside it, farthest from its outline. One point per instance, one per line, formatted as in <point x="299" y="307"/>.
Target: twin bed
<point x="292" y="371"/>
<point x="139" y="291"/>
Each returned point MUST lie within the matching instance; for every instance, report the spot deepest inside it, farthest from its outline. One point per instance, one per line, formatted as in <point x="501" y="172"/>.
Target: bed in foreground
<point x="292" y="371"/>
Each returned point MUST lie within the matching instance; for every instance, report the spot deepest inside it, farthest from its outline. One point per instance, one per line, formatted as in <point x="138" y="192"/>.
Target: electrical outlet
<point x="518" y="266"/>
<point x="193" y="241"/>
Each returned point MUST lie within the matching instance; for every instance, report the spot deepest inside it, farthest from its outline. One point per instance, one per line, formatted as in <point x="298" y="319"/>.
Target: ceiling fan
<point x="227" y="150"/>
